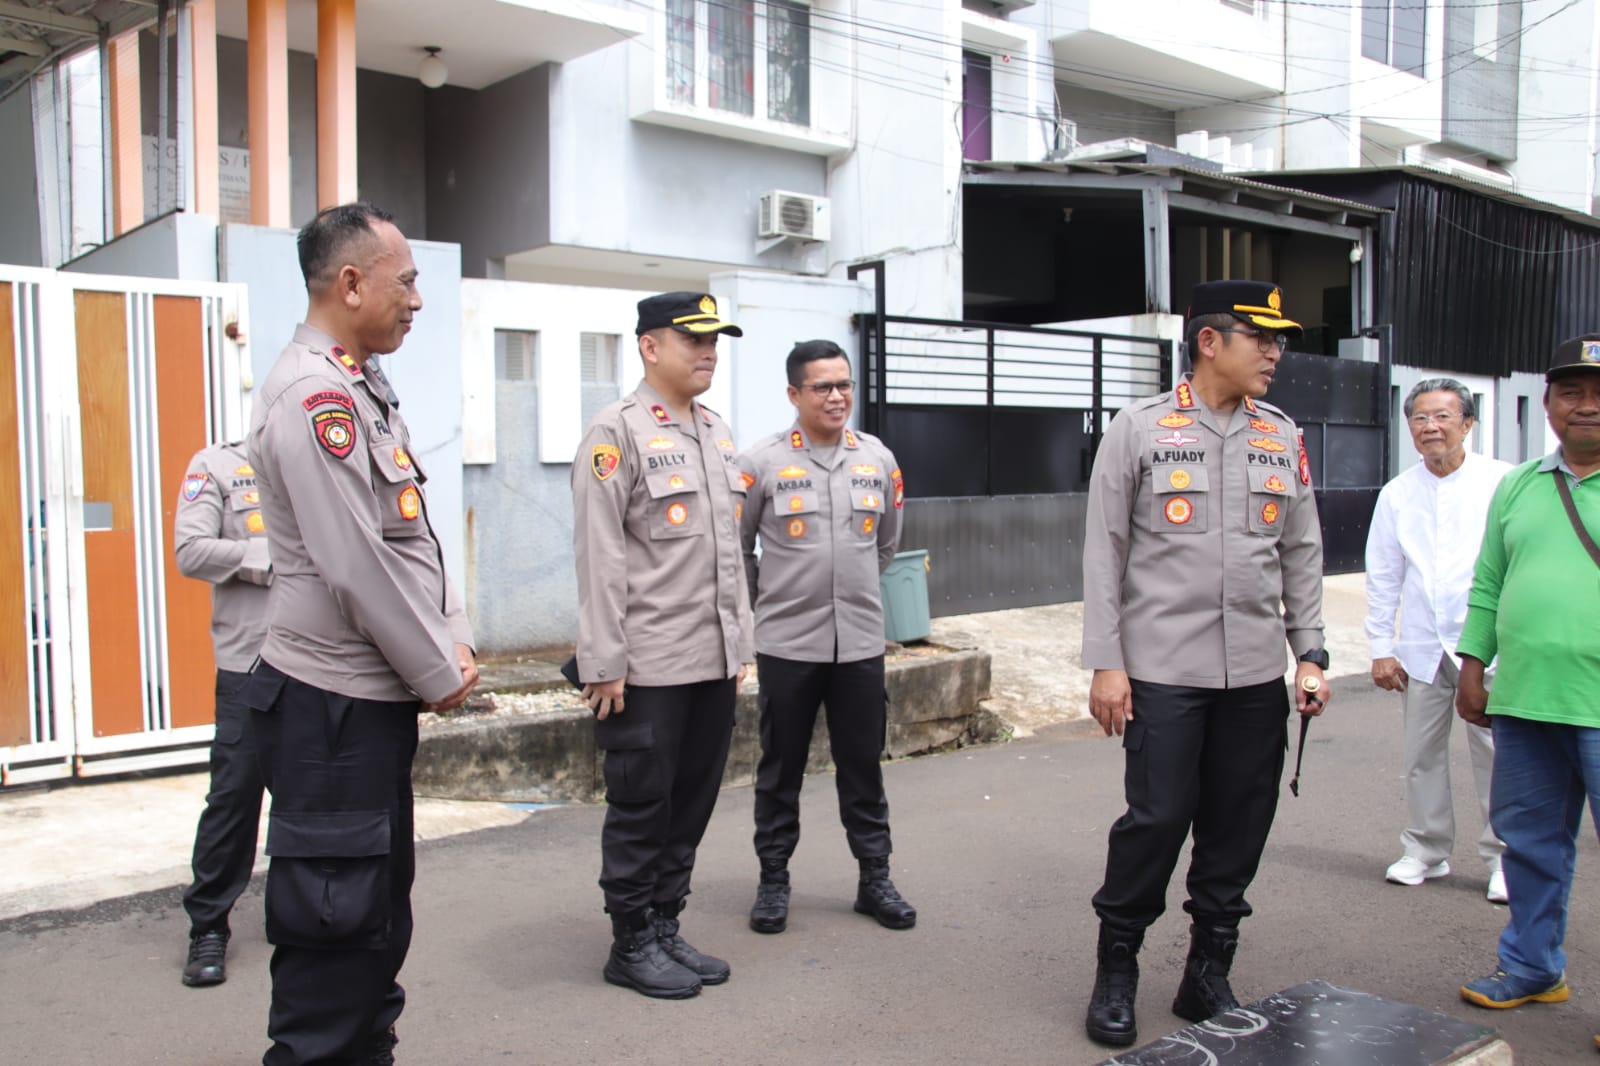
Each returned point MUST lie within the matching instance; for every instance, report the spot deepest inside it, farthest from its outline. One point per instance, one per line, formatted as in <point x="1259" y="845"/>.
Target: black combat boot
<point x="208" y="954"/>
<point x="771" y="911"/>
<point x="878" y="897"/>
<point x="1116" y="987"/>
<point x="1204" y="992"/>
<point x="638" y="961"/>
<point x="710" y="969"/>
<point x="383" y="1049"/>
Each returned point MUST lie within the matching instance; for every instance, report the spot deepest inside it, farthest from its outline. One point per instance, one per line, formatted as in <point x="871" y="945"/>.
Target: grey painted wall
<point x="173" y="246"/>
<point x="426" y="371"/>
<point x="389" y="134"/>
<point x="488" y="168"/>
<point x="1104" y="117"/>
<point x="672" y="192"/>
<point x="1480" y="94"/>
<point x="522" y="588"/>
<point x="20" y="242"/>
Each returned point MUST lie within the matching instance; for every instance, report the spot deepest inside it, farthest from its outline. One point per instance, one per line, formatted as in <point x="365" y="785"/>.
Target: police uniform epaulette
<point x="709" y="411"/>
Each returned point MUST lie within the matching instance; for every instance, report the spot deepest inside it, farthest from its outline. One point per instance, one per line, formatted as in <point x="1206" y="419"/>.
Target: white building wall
<point x="1560" y="99"/>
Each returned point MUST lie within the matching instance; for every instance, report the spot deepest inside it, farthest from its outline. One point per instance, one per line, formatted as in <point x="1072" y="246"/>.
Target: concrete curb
<point x="550" y="757"/>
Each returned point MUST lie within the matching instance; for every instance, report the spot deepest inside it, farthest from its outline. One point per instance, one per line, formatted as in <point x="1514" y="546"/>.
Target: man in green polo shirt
<point x="1534" y="577"/>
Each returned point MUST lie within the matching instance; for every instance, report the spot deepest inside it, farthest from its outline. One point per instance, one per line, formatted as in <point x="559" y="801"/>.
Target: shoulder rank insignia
<point x="336" y="432"/>
<point x="1274" y="484"/>
<point x="347" y="362"/>
<point x="747" y="479"/>
<point x="1305" y="463"/>
<point x="660" y="413"/>
<point x="1267" y="444"/>
<point x="1262" y="426"/>
<point x="1185" y="396"/>
<point x="193" y="486"/>
<point x="1174" y="420"/>
<point x="793" y="471"/>
<point x="849" y="439"/>
<point x="796" y="440"/>
<point x="604" y="459"/>
<point x="1249" y="405"/>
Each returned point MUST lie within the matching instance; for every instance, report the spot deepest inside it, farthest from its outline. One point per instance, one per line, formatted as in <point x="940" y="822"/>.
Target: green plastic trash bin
<point x="905" y="598"/>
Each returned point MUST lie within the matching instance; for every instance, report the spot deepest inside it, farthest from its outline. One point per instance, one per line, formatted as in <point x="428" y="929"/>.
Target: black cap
<point x="1579" y="353"/>
<point x="686" y="312"/>
<point x="1257" y="302"/>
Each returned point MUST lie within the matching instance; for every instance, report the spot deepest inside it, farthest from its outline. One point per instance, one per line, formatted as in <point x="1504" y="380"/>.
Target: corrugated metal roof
<point x="1215" y="179"/>
<point x="1454" y="180"/>
<point x="36" y="33"/>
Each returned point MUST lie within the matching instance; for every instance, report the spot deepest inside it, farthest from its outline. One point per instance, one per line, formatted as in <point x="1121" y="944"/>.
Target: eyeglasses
<point x="1264" y="341"/>
<point x="821" y="389"/>
<point x="1443" y="420"/>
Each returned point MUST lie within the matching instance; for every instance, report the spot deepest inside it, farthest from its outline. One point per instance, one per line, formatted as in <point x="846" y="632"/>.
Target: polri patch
<point x="660" y="444"/>
<point x="317" y="399"/>
<point x="1179" y="479"/>
<point x="864" y="470"/>
<point x="1261" y="425"/>
<point x="1267" y="444"/>
<point x="677" y="514"/>
<point x="868" y="524"/>
<point x="899" y="489"/>
<point x="336" y="432"/>
<point x="255" y="523"/>
<point x="410" y="503"/>
<point x="797" y="527"/>
<point x="796" y="503"/>
<point x="792" y="472"/>
<point x="193" y="486"/>
<point x="1179" y="510"/>
<point x="1270" y="512"/>
<point x="676" y="482"/>
<point x="1274" y="484"/>
<point x="244" y="471"/>
<point x="1305" y="463"/>
<point x="252" y="497"/>
<point x="604" y="460"/>
<point x="1174" y="420"/>
<point x="401" y="459"/>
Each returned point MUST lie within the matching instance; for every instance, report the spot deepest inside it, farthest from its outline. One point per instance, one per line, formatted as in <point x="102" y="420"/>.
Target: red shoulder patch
<point x="319" y="399"/>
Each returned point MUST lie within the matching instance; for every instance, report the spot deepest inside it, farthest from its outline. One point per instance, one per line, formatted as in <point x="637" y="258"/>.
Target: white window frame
<point x="828" y="130"/>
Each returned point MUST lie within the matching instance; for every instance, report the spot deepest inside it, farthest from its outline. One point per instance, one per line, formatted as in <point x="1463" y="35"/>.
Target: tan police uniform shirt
<point x="219" y="536"/>
<point x="656" y="506"/>
<point x="828" y="525"/>
<point x="360" y="602"/>
<point x="1198" y="530"/>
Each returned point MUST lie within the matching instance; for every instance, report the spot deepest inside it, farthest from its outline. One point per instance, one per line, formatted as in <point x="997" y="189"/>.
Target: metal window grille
<point x="789" y="62"/>
<point x="680" y="51"/>
<point x="731" y="48"/>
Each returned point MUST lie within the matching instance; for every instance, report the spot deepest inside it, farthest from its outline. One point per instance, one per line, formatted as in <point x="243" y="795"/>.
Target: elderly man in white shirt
<point x="1420" y="557"/>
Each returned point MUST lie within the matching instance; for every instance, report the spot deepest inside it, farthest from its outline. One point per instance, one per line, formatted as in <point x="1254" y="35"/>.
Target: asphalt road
<point x="999" y="848"/>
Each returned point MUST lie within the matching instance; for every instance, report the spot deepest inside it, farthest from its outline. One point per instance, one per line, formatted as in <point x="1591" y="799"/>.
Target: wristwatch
<point x="1317" y="657"/>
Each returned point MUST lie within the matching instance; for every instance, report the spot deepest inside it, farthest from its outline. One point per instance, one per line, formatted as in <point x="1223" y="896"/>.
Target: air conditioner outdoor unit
<point x="794" y="214"/>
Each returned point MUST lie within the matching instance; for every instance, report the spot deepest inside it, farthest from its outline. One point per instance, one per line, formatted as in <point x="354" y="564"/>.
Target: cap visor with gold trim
<point x="1258" y="302"/>
<point x="686" y="312"/>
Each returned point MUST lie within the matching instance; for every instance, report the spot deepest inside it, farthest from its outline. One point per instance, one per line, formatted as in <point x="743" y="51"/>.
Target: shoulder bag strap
<point x="1572" y="513"/>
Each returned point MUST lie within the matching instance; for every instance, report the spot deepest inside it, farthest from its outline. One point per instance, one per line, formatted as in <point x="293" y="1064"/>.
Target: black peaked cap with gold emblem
<point x="1258" y="302"/>
<point x="1575" y="355"/>
<point x="686" y="312"/>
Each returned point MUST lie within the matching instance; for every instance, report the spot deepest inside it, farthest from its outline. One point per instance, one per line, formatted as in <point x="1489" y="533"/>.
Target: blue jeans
<point x="1542" y="772"/>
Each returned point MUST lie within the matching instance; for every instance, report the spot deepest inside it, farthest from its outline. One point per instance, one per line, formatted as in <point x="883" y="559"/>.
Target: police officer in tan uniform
<point x="220" y="537"/>
<point x="664" y="632"/>
<point x="825" y="502"/>
<point x="1202" y="557"/>
<point x="364" y="630"/>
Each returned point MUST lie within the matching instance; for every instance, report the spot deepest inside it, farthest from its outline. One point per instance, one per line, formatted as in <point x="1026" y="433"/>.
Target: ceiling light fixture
<point x="432" y="72"/>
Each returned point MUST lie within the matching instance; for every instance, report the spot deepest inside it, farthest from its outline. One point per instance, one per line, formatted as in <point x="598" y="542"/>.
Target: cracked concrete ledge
<point x="549" y="756"/>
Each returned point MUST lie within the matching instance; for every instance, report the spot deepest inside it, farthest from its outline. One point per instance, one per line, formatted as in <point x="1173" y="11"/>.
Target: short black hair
<point x="1192" y="328"/>
<point x="809" y="352"/>
<point x="325" y="239"/>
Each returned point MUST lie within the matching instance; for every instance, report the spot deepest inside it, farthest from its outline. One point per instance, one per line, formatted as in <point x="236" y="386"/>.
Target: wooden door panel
<point x="116" y="677"/>
<point x="16" y="710"/>
<point x="181" y="424"/>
